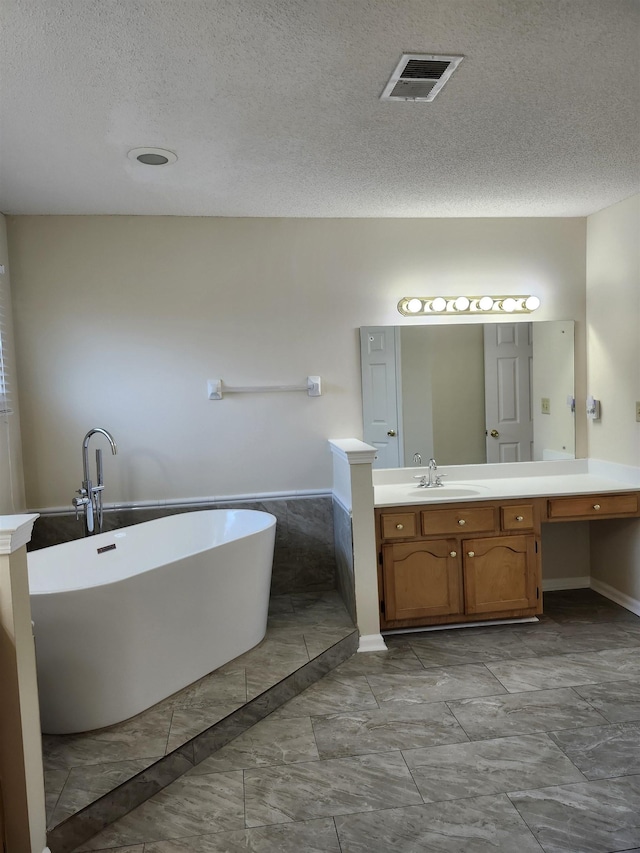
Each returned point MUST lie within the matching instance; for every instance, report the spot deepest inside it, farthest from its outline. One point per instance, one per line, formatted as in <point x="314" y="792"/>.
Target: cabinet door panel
<point x="499" y="573"/>
<point x="422" y="579"/>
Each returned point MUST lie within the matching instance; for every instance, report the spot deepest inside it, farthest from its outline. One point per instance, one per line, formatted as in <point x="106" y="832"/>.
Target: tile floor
<point x="81" y="768"/>
<point x="506" y="738"/>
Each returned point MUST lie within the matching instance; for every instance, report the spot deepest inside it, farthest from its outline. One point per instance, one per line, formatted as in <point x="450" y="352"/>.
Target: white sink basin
<point x="454" y="491"/>
<point x="412" y="493"/>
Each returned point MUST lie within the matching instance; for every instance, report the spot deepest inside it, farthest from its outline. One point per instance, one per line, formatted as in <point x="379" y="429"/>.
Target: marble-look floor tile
<point x="524" y="713"/>
<point x="332" y="694"/>
<point x="144" y="736"/>
<point x="136" y="848"/>
<point x="567" y="639"/>
<point x="436" y="684"/>
<point x="319" y="638"/>
<point x="399" y="657"/>
<point x="327" y="788"/>
<point x="217" y="688"/>
<point x="322" y="608"/>
<point x="591" y="817"/>
<point x="280" y="604"/>
<point x="192" y="805"/>
<point x="392" y="728"/>
<point x="586" y="606"/>
<point x="309" y="836"/>
<point x="445" y="648"/>
<point x="87" y="783"/>
<point x="269" y="742"/>
<point x="602" y="752"/>
<point x="541" y="673"/>
<point x="188" y="722"/>
<point x="54" y="781"/>
<point x="618" y="701"/>
<point x="478" y="825"/>
<point x="489" y="767"/>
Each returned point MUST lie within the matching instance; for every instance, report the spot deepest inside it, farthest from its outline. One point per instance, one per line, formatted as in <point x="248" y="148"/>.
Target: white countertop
<point x="467" y="483"/>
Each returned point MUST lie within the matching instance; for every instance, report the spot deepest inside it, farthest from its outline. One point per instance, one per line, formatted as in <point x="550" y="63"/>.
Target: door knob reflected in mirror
<point x="494" y="433"/>
<point x="391" y="432"/>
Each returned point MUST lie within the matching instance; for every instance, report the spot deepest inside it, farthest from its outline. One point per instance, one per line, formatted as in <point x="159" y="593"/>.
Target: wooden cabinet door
<point x="421" y="579"/>
<point x="499" y="573"/>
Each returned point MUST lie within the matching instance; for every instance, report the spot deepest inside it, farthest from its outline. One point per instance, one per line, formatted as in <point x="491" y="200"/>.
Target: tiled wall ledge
<point x="304" y="557"/>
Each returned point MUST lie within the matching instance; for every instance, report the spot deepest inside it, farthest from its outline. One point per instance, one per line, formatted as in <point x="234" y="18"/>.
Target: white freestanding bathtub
<point x="126" y="618"/>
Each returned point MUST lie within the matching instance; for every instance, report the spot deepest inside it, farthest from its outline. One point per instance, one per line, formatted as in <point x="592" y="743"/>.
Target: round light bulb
<point x="531" y="303"/>
<point x="461" y="303"/>
<point x="414" y="305"/>
<point x="438" y="304"/>
<point x="485" y="304"/>
<point x="509" y="304"/>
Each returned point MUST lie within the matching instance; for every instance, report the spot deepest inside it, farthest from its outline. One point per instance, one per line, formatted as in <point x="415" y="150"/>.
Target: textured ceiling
<point x="272" y="107"/>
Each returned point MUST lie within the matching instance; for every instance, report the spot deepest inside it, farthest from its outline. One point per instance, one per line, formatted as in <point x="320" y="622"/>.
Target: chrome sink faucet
<point x="90" y="496"/>
<point x="432" y="479"/>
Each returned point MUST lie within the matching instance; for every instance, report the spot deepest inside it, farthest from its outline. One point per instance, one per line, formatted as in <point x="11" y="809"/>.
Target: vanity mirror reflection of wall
<point x="468" y="394"/>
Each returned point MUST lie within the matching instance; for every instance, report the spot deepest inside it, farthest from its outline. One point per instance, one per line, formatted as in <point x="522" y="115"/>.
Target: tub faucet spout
<point x="89" y="499"/>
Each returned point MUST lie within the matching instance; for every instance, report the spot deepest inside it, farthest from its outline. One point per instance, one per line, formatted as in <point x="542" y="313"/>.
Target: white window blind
<point x="5" y="390"/>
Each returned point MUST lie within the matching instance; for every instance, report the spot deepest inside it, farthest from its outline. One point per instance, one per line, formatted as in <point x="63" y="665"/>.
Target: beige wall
<point x="120" y="321"/>
<point x="11" y="477"/>
<point x="613" y="330"/>
<point x="613" y="317"/>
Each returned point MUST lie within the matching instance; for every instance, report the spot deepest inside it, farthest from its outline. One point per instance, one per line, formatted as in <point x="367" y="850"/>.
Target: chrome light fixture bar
<point x="421" y="306"/>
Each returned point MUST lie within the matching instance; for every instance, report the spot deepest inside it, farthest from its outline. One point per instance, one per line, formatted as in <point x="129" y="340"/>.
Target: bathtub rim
<point x="270" y="521"/>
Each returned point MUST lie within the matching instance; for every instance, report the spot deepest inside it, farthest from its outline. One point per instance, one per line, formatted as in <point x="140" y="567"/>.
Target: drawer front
<point x="592" y="506"/>
<point x="436" y="522"/>
<point x="398" y="525"/>
<point x="517" y="517"/>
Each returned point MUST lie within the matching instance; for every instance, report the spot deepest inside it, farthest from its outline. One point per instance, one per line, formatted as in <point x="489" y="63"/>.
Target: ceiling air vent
<point x="419" y="77"/>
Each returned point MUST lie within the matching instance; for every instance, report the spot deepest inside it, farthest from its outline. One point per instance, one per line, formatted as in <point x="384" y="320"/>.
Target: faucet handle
<point x="439" y="479"/>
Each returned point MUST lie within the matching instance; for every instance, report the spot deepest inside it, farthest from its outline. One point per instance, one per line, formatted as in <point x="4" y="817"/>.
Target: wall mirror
<point x="469" y="393"/>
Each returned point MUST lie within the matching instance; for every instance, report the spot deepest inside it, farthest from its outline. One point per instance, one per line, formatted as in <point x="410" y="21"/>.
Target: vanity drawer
<point x="398" y="525"/>
<point x="592" y="506"/>
<point x="517" y="517"/>
<point x="436" y="522"/>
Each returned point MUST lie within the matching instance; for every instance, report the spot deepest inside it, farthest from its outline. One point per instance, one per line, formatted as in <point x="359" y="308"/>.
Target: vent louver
<point x="419" y="77"/>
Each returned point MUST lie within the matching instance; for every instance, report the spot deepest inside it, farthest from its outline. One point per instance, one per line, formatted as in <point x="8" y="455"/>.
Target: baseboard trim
<point x="620" y="598"/>
<point x="372" y="643"/>
<point x="553" y="584"/>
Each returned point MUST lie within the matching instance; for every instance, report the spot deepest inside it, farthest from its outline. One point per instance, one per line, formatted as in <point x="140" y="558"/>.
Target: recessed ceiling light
<point x="152" y="156"/>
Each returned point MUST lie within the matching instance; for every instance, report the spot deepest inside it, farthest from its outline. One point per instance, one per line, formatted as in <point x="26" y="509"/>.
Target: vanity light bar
<point x="417" y="306"/>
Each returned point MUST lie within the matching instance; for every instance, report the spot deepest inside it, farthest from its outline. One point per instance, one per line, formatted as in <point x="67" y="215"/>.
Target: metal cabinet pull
<point x="453" y="553"/>
<point x="519" y="518"/>
<point x="399" y="526"/>
<point x="461" y="522"/>
<point x="471" y="554"/>
<point x="596" y="506"/>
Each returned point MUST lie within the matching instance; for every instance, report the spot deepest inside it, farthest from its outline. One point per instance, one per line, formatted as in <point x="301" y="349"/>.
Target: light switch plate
<point x="545" y="406"/>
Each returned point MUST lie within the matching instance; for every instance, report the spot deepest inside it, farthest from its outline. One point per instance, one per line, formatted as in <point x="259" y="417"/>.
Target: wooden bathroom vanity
<point x="445" y="562"/>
